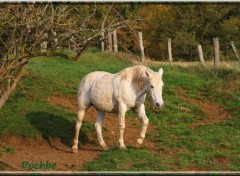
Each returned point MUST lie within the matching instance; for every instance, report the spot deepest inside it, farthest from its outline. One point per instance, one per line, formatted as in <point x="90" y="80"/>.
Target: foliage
<point x="189" y="25"/>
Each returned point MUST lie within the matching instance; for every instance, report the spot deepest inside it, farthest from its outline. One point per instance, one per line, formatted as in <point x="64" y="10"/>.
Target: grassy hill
<point x="189" y="135"/>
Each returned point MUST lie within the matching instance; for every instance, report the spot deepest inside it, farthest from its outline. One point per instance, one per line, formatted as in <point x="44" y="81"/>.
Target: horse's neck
<point x="139" y="82"/>
<point x="136" y="76"/>
<point x="141" y="92"/>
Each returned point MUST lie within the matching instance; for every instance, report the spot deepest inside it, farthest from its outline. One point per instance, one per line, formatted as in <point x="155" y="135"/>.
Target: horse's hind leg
<point x="98" y="126"/>
<point x="81" y="113"/>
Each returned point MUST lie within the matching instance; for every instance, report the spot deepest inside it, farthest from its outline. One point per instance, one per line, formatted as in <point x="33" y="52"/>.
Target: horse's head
<point x="155" y="87"/>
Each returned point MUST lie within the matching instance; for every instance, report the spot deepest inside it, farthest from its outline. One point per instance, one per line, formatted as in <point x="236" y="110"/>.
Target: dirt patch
<point x="57" y="152"/>
<point x="70" y="103"/>
<point x="222" y="162"/>
<point x="215" y="112"/>
<point x="42" y="151"/>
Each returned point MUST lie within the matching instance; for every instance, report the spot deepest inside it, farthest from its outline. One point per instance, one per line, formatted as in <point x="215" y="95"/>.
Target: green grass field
<point x="212" y="147"/>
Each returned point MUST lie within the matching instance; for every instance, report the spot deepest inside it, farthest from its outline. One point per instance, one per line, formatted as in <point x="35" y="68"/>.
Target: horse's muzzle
<point x="158" y="107"/>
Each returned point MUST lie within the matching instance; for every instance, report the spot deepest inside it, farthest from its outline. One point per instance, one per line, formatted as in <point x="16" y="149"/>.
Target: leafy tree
<point x="157" y="26"/>
<point x="188" y="25"/>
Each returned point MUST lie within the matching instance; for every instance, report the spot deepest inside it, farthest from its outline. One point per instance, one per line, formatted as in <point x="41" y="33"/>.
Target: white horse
<point x="118" y="93"/>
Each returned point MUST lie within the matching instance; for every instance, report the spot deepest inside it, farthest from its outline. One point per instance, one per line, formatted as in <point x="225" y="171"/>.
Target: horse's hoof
<point x="105" y="147"/>
<point x="123" y="147"/>
<point x="140" y="140"/>
<point x="74" y="150"/>
<point x="138" y="145"/>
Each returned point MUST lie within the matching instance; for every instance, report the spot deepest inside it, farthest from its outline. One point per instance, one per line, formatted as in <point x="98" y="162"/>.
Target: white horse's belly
<point x="102" y="96"/>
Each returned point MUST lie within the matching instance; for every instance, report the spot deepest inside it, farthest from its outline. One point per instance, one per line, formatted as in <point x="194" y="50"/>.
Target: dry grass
<point x="210" y="64"/>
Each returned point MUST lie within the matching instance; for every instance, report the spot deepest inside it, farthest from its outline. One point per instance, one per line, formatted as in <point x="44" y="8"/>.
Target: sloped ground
<point x="55" y="151"/>
<point x="215" y="113"/>
<point x="182" y="141"/>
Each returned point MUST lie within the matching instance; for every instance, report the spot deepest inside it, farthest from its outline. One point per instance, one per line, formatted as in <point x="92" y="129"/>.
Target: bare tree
<point x="24" y="27"/>
<point x="18" y="39"/>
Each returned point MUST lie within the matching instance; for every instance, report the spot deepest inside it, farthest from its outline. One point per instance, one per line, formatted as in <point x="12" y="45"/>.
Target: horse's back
<point x="91" y="77"/>
<point x="85" y="87"/>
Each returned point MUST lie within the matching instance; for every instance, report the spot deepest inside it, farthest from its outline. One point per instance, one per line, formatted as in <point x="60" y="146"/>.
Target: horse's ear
<point x="160" y="71"/>
<point x="148" y="74"/>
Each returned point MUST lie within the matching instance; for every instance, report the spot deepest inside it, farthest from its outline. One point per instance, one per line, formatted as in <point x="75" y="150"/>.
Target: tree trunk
<point x="216" y="52"/>
<point x="140" y="41"/>
<point x="170" y="50"/>
<point x="115" y="41"/>
<point x="109" y="41"/>
<point x="235" y="50"/>
<point x="5" y="96"/>
<point x="200" y="54"/>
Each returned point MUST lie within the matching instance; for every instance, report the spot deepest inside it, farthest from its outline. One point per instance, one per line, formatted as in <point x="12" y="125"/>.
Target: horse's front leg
<point x="122" y="109"/>
<point x="141" y="113"/>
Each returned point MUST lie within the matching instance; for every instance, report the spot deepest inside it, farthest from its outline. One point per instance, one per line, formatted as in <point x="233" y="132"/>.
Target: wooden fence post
<point x="170" y="50"/>
<point x="235" y="50"/>
<point x="55" y="39"/>
<point x="72" y="42"/>
<point x="115" y="41"/>
<point x="216" y="52"/>
<point x="44" y="44"/>
<point x="102" y="41"/>
<point x="110" y="41"/>
<point x="200" y="54"/>
<point x="140" y="42"/>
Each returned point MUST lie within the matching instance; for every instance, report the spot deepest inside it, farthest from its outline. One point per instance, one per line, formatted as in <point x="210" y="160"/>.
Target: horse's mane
<point x="136" y="74"/>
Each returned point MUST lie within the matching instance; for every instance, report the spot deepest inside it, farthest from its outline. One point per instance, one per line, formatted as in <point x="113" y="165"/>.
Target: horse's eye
<point x="152" y="86"/>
